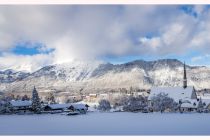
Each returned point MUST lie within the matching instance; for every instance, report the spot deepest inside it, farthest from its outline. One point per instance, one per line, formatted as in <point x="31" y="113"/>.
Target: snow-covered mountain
<point x="96" y="76"/>
<point x="10" y="75"/>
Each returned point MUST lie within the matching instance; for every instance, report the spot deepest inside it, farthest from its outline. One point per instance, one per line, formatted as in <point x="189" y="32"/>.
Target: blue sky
<point x="35" y="36"/>
<point x="24" y="50"/>
<point x="27" y="48"/>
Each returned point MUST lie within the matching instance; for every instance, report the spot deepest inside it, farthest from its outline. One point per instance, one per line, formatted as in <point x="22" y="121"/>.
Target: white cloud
<point x="88" y="32"/>
<point x="24" y="63"/>
<point x="201" y="58"/>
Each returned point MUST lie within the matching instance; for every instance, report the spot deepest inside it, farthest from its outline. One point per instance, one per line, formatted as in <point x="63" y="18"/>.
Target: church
<point x="185" y="95"/>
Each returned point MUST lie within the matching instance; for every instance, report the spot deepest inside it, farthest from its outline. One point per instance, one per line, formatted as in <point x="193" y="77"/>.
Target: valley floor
<point x="95" y="123"/>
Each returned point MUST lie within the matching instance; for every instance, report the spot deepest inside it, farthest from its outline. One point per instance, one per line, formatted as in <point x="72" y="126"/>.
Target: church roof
<point x="175" y="93"/>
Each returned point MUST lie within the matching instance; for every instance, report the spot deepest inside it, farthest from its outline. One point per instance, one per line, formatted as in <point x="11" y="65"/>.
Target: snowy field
<point x="120" y="123"/>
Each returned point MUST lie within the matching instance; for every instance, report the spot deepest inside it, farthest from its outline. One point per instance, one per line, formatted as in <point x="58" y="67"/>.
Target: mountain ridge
<point x="98" y="76"/>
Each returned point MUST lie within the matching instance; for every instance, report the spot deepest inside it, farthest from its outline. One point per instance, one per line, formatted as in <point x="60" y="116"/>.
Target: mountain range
<point x="97" y="76"/>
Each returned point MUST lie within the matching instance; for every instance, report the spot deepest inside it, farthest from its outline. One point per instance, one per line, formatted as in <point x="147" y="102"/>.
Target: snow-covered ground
<point x="97" y="123"/>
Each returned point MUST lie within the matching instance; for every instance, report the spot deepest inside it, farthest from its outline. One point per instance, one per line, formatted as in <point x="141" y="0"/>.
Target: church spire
<point x="185" y="77"/>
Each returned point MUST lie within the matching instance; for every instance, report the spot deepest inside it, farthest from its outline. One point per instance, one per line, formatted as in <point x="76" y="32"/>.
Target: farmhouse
<point x="56" y="107"/>
<point x="20" y="105"/>
<point x="206" y="101"/>
<point x="103" y="96"/>
<point x="189" y="105"/>
<point x="92" y="95"/>
<point x="82" y="108"/>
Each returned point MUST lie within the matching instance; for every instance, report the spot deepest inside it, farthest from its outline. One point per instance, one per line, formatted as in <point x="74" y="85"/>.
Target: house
<point x="103" y="96"/>
<point x="56" y="107"/>
<point x="189" y="105"/>
<point x="208" y="106"/>
<point x="206" y="102"/>
<point x="82" y="108"/>
<point x="92" y="95"/>
<point x="141" y="93"/>
<point x="20" y="105"/>
<point x="185" y="95"/>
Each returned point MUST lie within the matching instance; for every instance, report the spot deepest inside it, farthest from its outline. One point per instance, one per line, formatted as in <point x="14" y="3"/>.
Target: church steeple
<point x="185" y="77"/>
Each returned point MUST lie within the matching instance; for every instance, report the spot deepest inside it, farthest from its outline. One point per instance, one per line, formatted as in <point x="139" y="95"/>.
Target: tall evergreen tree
<point x="36" y="104"/>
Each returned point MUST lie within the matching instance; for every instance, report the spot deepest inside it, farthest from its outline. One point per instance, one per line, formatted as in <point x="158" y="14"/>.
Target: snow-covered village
<point x="156" y="102"/>
<point x="158" y="99"/>
<point x="104" y="70"/>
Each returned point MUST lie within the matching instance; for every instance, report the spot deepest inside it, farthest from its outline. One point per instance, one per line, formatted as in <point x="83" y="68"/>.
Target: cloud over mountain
<point x="94" y="32"/>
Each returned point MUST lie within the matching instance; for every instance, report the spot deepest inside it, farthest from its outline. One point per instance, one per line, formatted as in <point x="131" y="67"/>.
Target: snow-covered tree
<point x="1" y="106"/>
<point x="162" y="102"/>
<point x="119" y="100"/>
<point x="5" y="106"/>
<point x="104" y="105"/>
<point x="135" y="104"/>
<point x="36" y="104"/>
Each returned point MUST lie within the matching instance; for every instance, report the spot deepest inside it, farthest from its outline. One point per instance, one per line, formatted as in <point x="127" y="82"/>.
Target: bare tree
<point x="50" y="98"/>
<point x="135" y="104"/>
<point x="162" y="102"/>
<point x="104" y="105"/>
<point x="25" y="98"/>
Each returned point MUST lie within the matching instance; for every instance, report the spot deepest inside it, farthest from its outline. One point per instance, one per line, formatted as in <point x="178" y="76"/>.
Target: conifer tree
<point x="36" y="104"/>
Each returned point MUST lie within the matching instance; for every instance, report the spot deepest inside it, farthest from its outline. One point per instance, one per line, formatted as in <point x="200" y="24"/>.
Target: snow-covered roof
<point x="103" y="94"/>
<point x="92" y="94"/>
<point x="190" y="104"/>
<point x="63" y="106"/>
<point x="175" y="93"/>
<point x="79" y="106"/>
<point x="58" y="106"/>
<point x="204" y="97"/>
<point x="20" y="103"/>
<point x="206" y="101"/>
